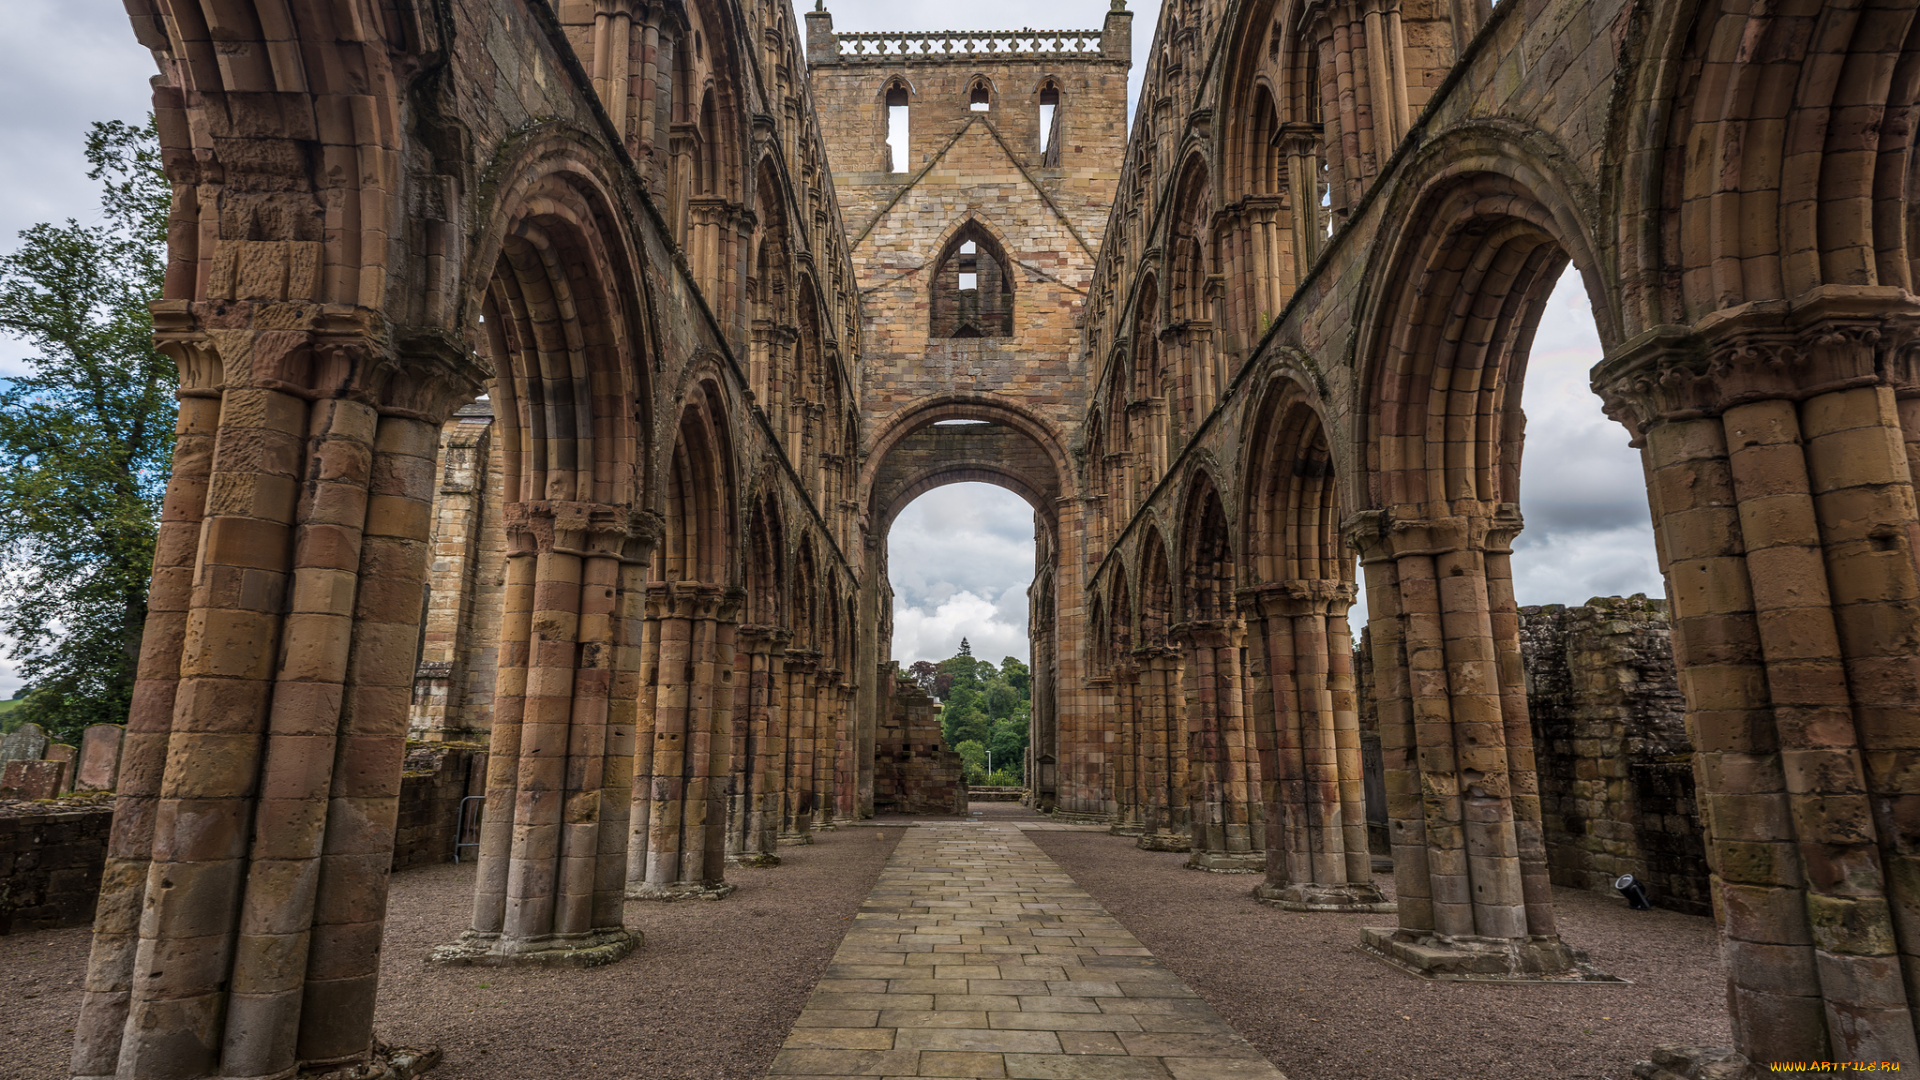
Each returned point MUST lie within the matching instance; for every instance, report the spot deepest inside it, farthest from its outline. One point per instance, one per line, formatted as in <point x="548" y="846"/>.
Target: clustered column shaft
<point x="1786" y="523"/>
<point x="760" y="748"/>
<point x="1163" y="710"/>
<point x="1228" y="834"/>
<point x="678" y="847"/>
<point x="1308" y="730"/>
<point x="559" y="774"/>
<point x="797" y="815"/>
<point x="1469" y="853"/>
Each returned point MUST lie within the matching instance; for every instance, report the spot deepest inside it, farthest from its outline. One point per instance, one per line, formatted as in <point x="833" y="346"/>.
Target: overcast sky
<point x="962" y="556"/>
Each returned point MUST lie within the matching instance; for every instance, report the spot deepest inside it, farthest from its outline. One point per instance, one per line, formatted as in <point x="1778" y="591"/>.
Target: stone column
<point x="560" y="764"/>
<point x="116" y="934"/>
<point x="678" y="846"/>
<point x="759" y="749"/>
<point x="242" y="904"/>
<point x="1307" y="728"/>
<point x="826" y="724"/>
<point x="1131" y="814"/>
<point x="1783" y="506"/>
<point x="1163" y="710"/>
<point x="796" y="824"/>
<point x="1469" y="858"/>
<point x="458" y="505"/>
<point x="846" y="773"/>
<point x="1228" y="835"/>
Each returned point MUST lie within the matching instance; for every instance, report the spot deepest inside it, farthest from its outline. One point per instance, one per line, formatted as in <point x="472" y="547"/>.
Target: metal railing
<point x="466" y="825"/>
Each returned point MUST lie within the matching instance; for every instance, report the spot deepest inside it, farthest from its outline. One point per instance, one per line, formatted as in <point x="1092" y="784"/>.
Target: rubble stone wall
<point x="1614" y="761"/>
<point x="914" y="772"/>
<point x="50" y="864"/>
<point x="1615" y="764"/>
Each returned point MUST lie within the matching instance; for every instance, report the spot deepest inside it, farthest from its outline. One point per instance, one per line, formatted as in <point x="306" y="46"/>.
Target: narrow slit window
<point x="897" y="128"/>
<point x="1049" y="107"/>
<point x="969" y="267"/>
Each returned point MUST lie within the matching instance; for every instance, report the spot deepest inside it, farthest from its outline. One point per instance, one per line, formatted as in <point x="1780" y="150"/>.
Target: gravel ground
<point x="1295" y="986"/>
<point x="710" y="996"/>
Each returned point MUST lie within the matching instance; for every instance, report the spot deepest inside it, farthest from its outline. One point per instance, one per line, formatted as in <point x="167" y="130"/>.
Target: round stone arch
<point x="964" y="406"/>
<point x="1482" y="226"/>
<point x="1480" y="231"/>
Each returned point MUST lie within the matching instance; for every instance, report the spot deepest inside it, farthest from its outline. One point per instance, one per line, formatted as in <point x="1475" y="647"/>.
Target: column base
<point x="1127" y="828"/>
<point x="681" y="890"/>
<point x="1354" y="899"/>
<point x="1228" y="862"/>
<point x="1081" y="817"/>
<point x="385" y="1063"/>
<point x="1674" y="1062"/>
<point x="762" y="859"/>
<point x="794" y="839"/>
<point x="1163" y="841"/>
<point x="597" y="949"/>
<point x="1477" y="959"/>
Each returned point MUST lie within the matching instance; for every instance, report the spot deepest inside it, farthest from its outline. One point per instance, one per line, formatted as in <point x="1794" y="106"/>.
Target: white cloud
<point x="1582" y="491"/>
<point x="960" y="559"/>
<point x="63" y="65"/>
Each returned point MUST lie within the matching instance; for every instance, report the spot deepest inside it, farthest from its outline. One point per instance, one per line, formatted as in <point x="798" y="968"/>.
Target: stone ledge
<point x="1353" y="899"/>
<point x="1494" y="960"/>
<point x="1228" y="862"/>
<point x="1163" y="841"/>
<point x="682" y="890"/>
<point x="598" y="949"/>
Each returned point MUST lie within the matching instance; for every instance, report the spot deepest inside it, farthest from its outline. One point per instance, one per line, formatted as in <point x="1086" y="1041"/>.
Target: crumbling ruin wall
<point x="913" y="771"/>
<point x="51" y="857"/>
<point x="1615" y="764"/>
<point x="437" y="779"/>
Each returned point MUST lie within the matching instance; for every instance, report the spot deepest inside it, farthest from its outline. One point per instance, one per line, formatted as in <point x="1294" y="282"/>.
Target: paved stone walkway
<point x="977" y="956"/>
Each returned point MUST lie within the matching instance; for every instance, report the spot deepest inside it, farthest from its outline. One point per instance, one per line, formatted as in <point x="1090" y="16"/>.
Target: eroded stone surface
<point x="976" y="955"/>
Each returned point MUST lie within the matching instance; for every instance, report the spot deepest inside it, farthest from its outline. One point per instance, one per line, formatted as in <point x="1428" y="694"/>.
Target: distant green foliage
<point x="86" y="440"/>
<point x="984" y="708"/>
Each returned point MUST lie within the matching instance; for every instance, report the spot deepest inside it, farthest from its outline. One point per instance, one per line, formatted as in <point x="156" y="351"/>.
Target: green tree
<point x="973" y="761"/>
<point x="1017" y="675"/>
<point x="86" y="438"/>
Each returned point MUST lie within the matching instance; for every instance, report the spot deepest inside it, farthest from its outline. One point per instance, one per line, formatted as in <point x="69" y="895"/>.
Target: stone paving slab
<point x="976" y="956"/>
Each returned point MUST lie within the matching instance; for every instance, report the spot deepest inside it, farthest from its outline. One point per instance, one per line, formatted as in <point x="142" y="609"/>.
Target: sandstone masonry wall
<point x="1615" y="764"/>
<point x="914" y="772"/>
<point x="50" y="864"/>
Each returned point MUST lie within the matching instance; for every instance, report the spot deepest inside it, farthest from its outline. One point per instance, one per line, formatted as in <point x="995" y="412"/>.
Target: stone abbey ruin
<point x="552" y="374"/>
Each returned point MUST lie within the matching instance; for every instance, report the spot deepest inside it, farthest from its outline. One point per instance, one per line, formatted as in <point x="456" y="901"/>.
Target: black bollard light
<point x="1635" y="892"/>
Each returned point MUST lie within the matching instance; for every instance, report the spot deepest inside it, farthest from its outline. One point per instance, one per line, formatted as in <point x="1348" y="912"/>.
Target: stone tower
<point x="975" y="172"/>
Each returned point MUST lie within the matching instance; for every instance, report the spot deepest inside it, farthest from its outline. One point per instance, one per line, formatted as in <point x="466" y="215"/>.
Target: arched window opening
<point x="972" y="289"/>
<point x="897" y="127"/>
<point x="980" y="97"/>
<point x="1050" y="122"/>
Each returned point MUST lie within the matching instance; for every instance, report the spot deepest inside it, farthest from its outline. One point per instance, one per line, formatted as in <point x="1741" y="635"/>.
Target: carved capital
<point x="1299" y="596"/>
<point x="1380" y="535"/>
<point x="1208" y="633"/>
<point x="588" y="530"/>
<point x="1840" y="338"/>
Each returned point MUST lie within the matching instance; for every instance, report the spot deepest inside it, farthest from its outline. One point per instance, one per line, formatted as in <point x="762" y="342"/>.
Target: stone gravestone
<point x="23" y="779"/>
<point x="27" y="743"/>
<point x="100" y="758"/>
<point x="70" y="757"/>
